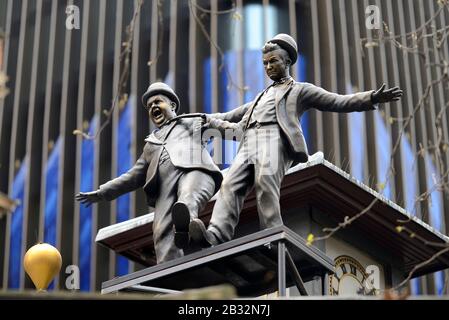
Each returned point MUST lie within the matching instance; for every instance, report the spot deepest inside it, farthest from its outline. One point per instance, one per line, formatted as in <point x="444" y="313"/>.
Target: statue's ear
<point x="173" y="106"/>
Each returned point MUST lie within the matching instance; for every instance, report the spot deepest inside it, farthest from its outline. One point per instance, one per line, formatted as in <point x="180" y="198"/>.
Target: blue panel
<point x="301" y="68"/>
<point x="51" y="194"/>
<point x="254" y="73"/>
<point x="256" y="15"/>
<point x="357" y="145"/>
<point x="409" y="176"/>
<point x="416" y="286"/>
<point x="254" y="26"/>
<point x="87" y="184"/>
<point x="383" y="149"/>
<point x="124" y="163"/>
<point x="435" y="200"/>
<point x="439" y="282"/>
<point x="15" y="245"/>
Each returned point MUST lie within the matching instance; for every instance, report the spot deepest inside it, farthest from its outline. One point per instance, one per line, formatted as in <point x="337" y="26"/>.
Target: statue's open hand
<point x="88" y="198"/>
<point x="382" y="95"/>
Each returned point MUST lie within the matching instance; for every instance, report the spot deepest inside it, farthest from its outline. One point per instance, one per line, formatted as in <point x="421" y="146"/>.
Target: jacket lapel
<point x="161" y="141"/>
<point x="280" y="94"/>
<point x="152" y="139"/>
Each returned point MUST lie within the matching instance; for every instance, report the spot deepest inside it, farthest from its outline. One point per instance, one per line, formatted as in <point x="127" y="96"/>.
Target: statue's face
<point x="275" y="64"/>
<point x="160" y="109"/>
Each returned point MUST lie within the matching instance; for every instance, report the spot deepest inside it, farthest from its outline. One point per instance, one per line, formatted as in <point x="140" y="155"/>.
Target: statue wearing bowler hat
<point x="175" y="171"/>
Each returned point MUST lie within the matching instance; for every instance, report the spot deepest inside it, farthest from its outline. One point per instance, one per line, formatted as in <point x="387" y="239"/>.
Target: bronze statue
<point x="175" y="171"/>
<point x="269" y="126"/>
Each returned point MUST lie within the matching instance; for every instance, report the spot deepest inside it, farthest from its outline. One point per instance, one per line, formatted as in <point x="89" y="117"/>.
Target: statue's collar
<point x="282" y="81"/>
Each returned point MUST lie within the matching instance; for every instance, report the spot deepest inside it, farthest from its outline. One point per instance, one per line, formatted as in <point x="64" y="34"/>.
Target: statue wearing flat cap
<point x="272" y="140"/>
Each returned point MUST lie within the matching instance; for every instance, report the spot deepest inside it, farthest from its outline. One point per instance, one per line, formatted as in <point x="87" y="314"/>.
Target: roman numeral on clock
<point x="353" y="270"/>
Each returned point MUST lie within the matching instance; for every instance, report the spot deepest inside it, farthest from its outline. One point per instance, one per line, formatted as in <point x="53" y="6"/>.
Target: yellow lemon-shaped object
<point x="42" y="263"/>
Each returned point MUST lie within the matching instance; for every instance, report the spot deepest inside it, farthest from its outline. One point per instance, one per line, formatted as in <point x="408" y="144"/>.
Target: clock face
<point x="350" y="278"/>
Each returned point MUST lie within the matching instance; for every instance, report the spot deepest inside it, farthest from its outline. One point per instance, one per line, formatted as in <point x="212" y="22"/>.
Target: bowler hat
<point x="287" y="43"/>
<point x="160" y="88"/>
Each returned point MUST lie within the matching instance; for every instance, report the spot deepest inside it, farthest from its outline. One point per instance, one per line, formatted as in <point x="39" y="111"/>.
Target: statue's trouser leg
<point x="237" y="183"/>
<point x="195" y="188"/>
<point x="272" y="162"/>
<point x="266" y="152"/>
<point x="163" y="233"/>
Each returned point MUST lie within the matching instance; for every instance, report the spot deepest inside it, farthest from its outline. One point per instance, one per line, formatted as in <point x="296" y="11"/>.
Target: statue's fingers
<point x="392" y="90"/>
<point x="396" y="98"/>
<point x="382" y="87"/>
<point x="397" y="91"/>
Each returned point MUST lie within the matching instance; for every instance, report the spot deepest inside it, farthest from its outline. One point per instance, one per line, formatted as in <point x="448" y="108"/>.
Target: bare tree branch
<point x="125" y="58"/>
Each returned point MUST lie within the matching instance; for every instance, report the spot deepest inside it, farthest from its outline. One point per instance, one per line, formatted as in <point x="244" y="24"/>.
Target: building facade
<point x="65" y="65"/>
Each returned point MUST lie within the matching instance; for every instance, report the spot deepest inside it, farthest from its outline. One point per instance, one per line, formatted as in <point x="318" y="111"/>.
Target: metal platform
<point x="257" y="264"/>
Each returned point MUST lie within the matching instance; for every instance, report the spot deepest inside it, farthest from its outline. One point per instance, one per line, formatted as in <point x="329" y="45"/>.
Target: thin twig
<point x="125" y="57"/>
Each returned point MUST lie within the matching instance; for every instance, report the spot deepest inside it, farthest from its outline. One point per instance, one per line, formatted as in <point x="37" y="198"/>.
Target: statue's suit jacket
<point x="182" y="140"/>
<point x="291" y="102"/>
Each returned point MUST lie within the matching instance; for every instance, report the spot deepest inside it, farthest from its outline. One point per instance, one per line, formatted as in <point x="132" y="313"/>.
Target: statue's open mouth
<point x="156" y="112"/>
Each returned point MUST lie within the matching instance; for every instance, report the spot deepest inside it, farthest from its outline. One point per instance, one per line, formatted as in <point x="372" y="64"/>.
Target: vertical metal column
<point x="154" y="49"/>
<point x="33" y="140"/>
<point x="407" y="99"/>
<point x="333" y="118"/>
<point x="14" y="136"/>
<point x="214" y="74"/>
<point x="115" y="117"/>
<point x="343" y="47"/>
<point x="359" y="71"/>
<point x="315" y="115"/>
<point x="384" y="76"/>
<point x="134" y="91"/>
<point x="193" y="105"/>
<point x="281" y="270"/>
<point x="172" y="42"/>
<point x="4" y="143"/>
<point x="395" y="109"/>
<point x="63" y="182"/>
<point x="293" y="29"/>
<point x="79" y="122"/>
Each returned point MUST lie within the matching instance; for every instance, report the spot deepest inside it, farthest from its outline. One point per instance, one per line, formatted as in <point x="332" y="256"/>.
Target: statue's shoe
<point x="200" y="235"/>
<point x="181" y="220"/>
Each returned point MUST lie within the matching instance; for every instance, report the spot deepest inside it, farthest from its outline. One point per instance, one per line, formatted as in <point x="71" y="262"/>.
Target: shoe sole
<point x="181" y="217"/>
<point x="197" y="232"/>
<point x="181" y="221"/>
